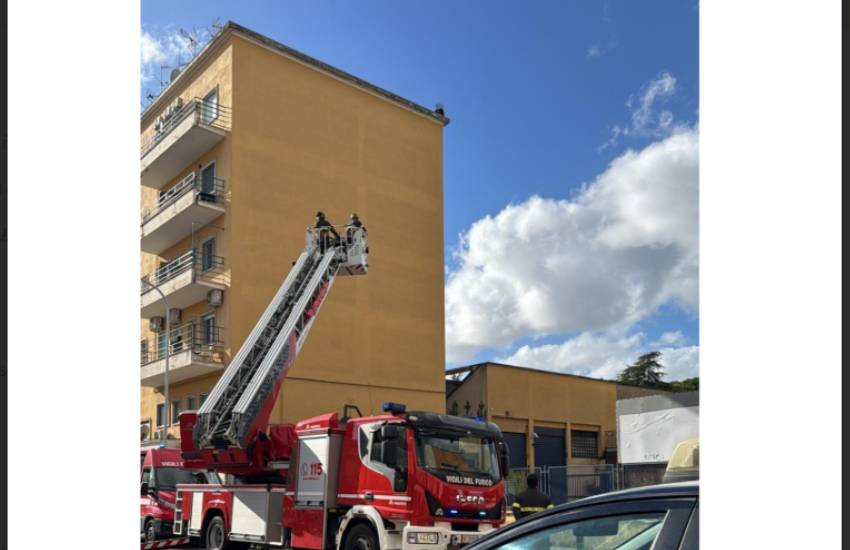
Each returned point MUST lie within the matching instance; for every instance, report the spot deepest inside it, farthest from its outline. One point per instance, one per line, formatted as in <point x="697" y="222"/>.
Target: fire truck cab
<point x="161" y="471"/>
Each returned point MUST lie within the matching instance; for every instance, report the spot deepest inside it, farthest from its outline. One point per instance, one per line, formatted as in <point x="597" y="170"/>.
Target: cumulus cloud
<point x="605" y="355"/>
<point x="624" y="246"/>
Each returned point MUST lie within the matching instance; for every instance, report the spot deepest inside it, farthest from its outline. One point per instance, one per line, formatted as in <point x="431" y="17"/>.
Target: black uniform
<point x="529" y="502"/>
<point x="324" y="226"/>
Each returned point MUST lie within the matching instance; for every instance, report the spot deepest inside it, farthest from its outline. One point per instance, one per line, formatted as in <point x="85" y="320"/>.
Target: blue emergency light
<point x="393" y="408"/>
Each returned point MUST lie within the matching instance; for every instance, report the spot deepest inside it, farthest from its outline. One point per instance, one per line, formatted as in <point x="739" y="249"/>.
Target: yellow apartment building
<point x="548" y="418"/>
<point x="237" y="154"/>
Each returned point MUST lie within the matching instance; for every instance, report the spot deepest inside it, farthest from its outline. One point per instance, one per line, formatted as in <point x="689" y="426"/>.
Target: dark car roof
<point x="666" y="490"/>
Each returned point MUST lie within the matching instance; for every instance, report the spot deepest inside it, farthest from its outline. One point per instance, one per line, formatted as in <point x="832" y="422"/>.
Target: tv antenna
<point x="192" y="38"/>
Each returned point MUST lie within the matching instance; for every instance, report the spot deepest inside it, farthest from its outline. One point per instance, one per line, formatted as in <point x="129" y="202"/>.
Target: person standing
<point x="531" y="500"/>
<point x="325" y="229"/>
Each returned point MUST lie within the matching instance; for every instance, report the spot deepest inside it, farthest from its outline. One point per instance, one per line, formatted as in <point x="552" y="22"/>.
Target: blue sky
<point x="543" y="97"/>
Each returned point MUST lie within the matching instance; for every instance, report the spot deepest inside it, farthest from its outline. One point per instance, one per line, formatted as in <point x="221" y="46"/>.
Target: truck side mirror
<point x="504" y="457"/>
<point x="144" y="488"/>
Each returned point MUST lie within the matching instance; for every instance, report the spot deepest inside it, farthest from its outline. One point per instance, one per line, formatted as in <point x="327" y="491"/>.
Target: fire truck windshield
<point x="458" y="457"/>
<point x="168" y="478"/>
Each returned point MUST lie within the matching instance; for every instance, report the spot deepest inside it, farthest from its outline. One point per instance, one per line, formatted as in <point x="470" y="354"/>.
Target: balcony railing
<point x="205" y="265"/>
<point x="210" y="191"/>
<point x="205" y="343"/>
<point x="205" y="113"/>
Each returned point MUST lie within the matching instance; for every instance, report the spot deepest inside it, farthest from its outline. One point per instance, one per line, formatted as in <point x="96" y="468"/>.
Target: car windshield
<point x="169" y="478"/>
<point x="457" y="453"/>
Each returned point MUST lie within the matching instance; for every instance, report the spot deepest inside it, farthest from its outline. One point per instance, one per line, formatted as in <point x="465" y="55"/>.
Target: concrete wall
<point x="305" y="142"/>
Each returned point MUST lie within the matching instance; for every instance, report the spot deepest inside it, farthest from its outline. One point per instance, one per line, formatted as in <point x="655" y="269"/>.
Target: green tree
<point x="647" y="371"/>
<point x="688" y="384"/>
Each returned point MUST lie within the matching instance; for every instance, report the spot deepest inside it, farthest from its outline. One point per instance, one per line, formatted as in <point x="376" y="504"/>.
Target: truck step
<point x="166" y="543"/>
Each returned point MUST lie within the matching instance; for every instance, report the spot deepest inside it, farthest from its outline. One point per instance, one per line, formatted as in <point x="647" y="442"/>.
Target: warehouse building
<point x="548" y="418"/>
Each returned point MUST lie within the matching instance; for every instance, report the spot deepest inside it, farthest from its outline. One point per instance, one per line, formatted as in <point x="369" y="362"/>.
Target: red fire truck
<point x="162" y="469"/>
<point x="399" y="480"/>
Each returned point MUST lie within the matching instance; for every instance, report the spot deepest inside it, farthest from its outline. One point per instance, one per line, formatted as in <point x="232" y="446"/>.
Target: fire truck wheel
<point x="150" y="530"/>
<point x="215" y="537"/>
<point x="361" y="537"/>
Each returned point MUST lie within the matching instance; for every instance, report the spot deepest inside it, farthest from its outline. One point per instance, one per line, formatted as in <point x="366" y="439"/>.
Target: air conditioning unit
<point x="215" y="297"/>
<point x="157" y="324"/>
<point x="157" y="435"/>
<point x="174" y="316"/>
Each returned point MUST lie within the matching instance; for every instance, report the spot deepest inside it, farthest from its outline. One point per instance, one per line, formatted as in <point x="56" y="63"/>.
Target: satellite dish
<point x="146" y="429"/>
<point x="174" y="74"/>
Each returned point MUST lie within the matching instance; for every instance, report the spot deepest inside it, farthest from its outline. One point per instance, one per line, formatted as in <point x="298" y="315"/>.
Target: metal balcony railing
<point x="204" y="341"/>
<point x="206" y="265"/>
<point x="206" y="113"/>
<point x="207" y="191"/>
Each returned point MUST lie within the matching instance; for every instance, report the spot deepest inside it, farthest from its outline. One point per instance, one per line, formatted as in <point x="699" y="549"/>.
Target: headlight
<point x="423" y="538"/>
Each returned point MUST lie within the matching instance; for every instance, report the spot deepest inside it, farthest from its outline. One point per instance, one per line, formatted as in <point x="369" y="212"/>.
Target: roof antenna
<point x="192" y="38"/>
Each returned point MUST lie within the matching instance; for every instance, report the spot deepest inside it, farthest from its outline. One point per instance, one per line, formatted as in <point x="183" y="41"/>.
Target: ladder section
<point x="253" y="409"/>
<point x="240" y="404"/>
<point x="214" y="414"/>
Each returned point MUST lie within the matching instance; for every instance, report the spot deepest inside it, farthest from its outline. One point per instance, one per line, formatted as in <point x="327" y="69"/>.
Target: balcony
<point x="196" y="349"/>
<point x="180" y="137"/>
<point x="185" y="280"/>
<point x="193" y="200"/>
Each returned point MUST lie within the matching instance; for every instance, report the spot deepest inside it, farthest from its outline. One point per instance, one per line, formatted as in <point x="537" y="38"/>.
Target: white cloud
<point x="605" y="355"/>
<point x="601" y="262"/>
<point x="670" y="339"/>
<point x="599" y="49"/>
<point x="645" y="120"/>
<point x="170" y="50"/>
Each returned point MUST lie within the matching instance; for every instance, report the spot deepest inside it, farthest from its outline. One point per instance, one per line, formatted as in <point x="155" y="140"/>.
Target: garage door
<point x="516" y="448"/>
<point x="550" y="447"/>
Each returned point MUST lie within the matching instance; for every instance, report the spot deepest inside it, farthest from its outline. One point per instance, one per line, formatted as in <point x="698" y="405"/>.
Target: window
<point x="389" y="449"/>
<point x="624" y="532"/>
<point x="160" y="415"/>
<point x="208" y="182"/>
<point x="204" y="397"/>
<point x="161" y="345"/>
<point x="207" y="254"/>
<point x="209" y="108"/>
<point x="145" y="434"/>
<point x="175" y="411"/>
<point x="190" y="403"/>
<point x="208" y="329"/>
<point x="585" y="444"/>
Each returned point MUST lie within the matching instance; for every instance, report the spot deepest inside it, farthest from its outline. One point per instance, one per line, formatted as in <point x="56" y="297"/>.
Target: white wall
<point x="652" y="436"/>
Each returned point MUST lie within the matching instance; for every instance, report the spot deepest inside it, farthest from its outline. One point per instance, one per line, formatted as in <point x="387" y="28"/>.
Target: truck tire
<point x="215" y="536"/>
<point x="361" y="537"/>
<point x="150" y="530"/>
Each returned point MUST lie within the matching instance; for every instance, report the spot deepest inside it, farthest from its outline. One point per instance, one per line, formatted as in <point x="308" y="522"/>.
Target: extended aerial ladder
<point x="230" y="431"/>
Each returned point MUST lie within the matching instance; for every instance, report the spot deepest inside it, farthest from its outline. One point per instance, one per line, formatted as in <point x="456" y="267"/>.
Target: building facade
<point x="238" y="153"/>
<point x="548" y="419"/>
